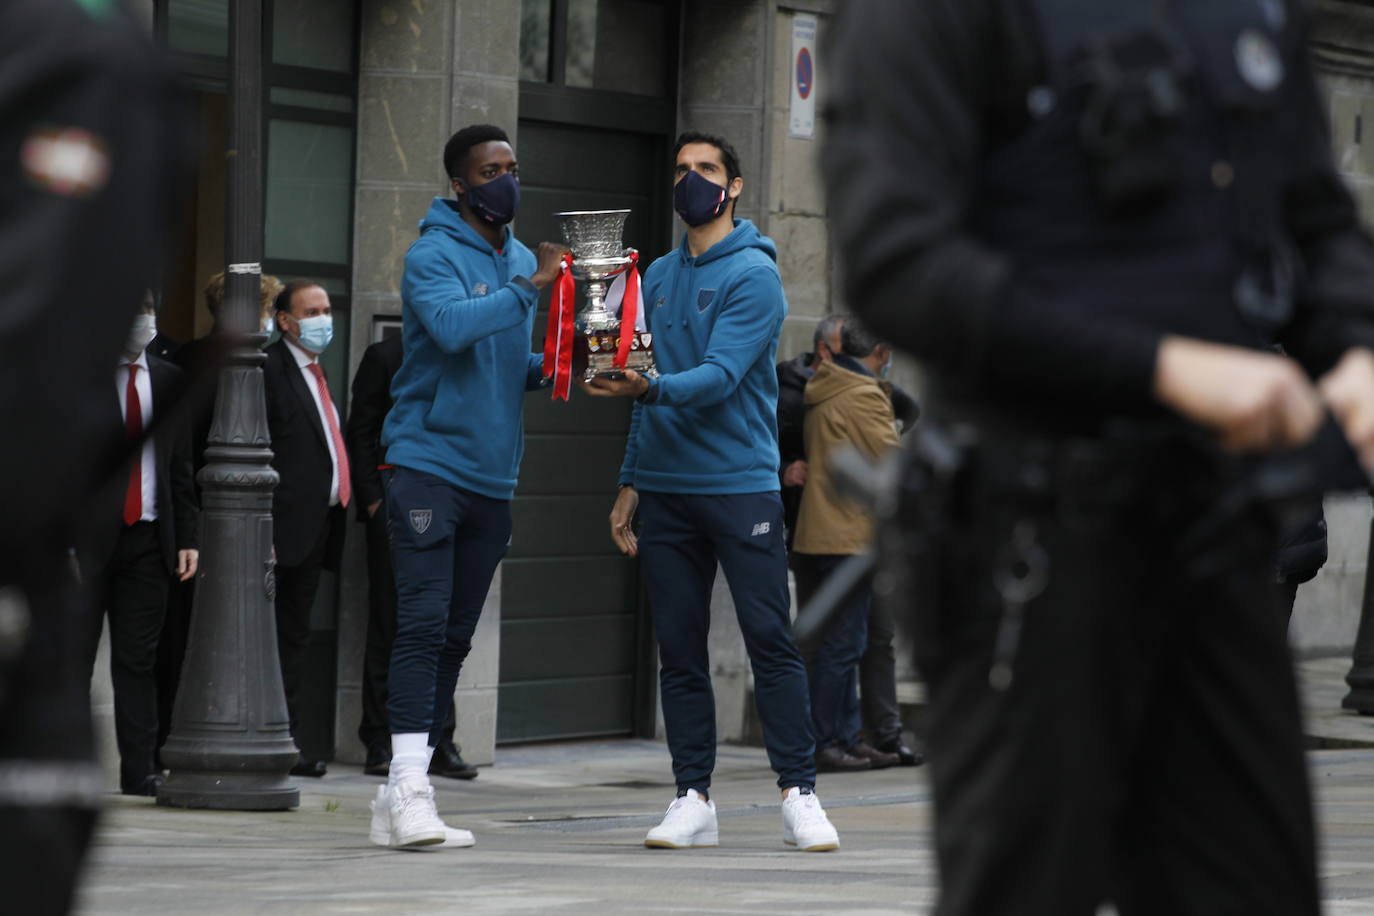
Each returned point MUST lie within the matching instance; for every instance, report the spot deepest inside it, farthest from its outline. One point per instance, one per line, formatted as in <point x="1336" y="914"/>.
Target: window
<point x="613" y="45"/>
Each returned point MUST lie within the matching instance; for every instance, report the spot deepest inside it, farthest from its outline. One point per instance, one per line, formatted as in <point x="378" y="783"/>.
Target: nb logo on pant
<point x="761" y="528"/>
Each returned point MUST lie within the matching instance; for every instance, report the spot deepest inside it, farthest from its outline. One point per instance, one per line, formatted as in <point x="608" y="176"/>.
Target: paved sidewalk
<point x="1323" y="686"/>
<point x="560" y="829"/>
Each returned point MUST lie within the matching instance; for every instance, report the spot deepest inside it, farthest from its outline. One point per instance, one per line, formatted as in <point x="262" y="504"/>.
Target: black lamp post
<point x="230" y="746"/>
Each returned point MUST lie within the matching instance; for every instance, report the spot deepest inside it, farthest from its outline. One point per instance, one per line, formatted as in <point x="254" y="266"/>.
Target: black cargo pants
<point x="1147" y="749"/>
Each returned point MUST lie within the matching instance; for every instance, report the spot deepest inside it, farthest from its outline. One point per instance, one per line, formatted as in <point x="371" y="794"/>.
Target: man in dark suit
<point x="314" y="488"/>
<point x="155" y="504"/>
<point x="371" y="401"/>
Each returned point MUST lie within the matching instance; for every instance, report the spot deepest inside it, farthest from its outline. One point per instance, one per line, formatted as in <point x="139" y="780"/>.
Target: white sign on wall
<point x="801" y="120"/>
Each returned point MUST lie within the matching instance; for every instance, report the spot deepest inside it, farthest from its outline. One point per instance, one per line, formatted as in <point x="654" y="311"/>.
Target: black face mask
<point x="699" y="200"/>
<point x="496" y="201"/>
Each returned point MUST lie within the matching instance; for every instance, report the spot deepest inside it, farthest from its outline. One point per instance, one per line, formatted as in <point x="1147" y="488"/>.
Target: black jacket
<point x="201" y="359"/>
<point x="366" y="413"/>
<point x="300" y="455"/>
<point x="178" y="512"/>
<point x="922" y="96"/>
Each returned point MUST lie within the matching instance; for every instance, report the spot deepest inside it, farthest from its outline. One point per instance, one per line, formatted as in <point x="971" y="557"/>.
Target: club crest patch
<point x="704" y="299"/>
<point x="420" y="519"/>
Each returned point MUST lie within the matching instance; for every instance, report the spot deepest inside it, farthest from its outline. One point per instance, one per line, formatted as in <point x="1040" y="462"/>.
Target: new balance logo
<point x="761" y="528"/>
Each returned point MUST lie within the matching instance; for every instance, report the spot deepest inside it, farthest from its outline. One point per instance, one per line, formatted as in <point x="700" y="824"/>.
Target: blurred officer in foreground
<point x="1088" y="219"/>
<point x="88" y="162"/>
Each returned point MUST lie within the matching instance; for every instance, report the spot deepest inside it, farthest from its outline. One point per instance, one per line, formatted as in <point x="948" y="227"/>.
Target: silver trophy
<point x="598" y="255"/>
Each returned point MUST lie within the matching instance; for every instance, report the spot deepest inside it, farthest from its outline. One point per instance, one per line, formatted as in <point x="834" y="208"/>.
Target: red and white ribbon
<point x="558" y="337"/>
<point x="629" y="311"/>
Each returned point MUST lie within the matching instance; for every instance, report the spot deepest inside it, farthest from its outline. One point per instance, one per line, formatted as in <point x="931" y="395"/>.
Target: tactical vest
<point x="1149" y="182"/>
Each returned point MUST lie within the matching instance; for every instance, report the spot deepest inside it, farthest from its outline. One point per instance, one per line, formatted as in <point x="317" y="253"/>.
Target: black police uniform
<point x="1028" y="195"/>
<point x="88" y="164"/>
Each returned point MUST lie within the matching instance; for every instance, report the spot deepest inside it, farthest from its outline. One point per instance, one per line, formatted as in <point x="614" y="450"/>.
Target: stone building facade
<point x="593" y="92"/>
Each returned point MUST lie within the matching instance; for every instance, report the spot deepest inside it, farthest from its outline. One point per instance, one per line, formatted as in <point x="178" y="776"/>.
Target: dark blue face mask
<point x="496" y="201"/>
<point x="699" y="200"/>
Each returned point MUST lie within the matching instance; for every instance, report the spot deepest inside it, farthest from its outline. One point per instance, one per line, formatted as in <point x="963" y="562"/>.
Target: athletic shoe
<point x="690" y="821"/>
<point x="457" y="838"/>
<point x="404" y="817"/>
<point x="804" y="824"/>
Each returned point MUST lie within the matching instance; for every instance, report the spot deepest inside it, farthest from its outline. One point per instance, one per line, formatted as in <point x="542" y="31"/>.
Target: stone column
<point x="427" y="69"/>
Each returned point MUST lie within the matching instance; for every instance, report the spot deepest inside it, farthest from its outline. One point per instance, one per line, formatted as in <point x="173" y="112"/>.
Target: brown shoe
<point x="837" y="760"/>
<point x="877" y="760"/>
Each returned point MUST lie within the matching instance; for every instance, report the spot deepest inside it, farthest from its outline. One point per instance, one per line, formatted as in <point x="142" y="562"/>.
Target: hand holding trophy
<point x="596" y="344"/>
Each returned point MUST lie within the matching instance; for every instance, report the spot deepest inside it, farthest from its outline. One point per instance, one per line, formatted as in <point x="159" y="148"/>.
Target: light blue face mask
<point x="886" y="370"/>
<point x="316" y="332"/>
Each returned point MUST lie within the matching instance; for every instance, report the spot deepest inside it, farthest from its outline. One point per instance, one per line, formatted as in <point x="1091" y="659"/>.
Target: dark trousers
<point x="296" y="588"/>
<point x="373" y="731"/>
<point x="874" y="709"/>
<point x="446" y="543"/>
<point x="171" y="652"/>
<point x="879" y="715"/>
<point x="52" y="787"/>
<point x="832" y="669"/>
<point x="683" y="538"/>
<point x="1148" y="747"/>
<point x="1287" y="597"/>
<point x="135" y="583"/>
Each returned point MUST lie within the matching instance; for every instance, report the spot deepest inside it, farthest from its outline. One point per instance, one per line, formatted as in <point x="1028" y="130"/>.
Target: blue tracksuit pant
<point x="446" y="543"/>
<point x="683" y="537"/>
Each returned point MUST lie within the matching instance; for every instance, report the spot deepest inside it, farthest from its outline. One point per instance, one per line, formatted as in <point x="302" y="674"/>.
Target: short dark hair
<point x="856" y="340"/>
<point x="289" y="291"/>
<point x="460" y="144"/>
<point x="728" y="156"/>
<point x="824" y="328"/>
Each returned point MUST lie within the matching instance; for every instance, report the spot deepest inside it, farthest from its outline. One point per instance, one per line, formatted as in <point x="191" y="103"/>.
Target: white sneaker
<point x="690" y="821"/>
<point x="457" y="838"/>
<point x="404" y="816"/>
<point x="804" y="824"/>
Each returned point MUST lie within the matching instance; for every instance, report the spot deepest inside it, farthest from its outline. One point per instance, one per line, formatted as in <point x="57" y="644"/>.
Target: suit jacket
<point x="366" y="413"/>
<point x="178" y="511"/>
<point x="200" y="359"/>
<point x="300" y="455"/>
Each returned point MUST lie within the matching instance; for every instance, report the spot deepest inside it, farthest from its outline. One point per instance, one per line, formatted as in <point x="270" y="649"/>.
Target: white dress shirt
<point x="303" y="360"/>
<point x="144" y="385"/>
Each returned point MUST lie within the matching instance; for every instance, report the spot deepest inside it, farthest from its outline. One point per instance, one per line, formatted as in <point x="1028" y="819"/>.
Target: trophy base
<point x="594" y="354"/>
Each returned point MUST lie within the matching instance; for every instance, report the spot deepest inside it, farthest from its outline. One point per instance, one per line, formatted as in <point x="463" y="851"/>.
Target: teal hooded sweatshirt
<point x="709" y="424"/>
<point x="468" y="317"/>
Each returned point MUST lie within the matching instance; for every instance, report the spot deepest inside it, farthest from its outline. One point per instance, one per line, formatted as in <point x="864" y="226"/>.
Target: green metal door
<point x="577" y="656"/>
<point x="573" y="637"/>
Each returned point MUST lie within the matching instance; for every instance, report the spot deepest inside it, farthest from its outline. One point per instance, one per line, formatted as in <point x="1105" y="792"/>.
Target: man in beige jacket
<point x="846" y="405"/>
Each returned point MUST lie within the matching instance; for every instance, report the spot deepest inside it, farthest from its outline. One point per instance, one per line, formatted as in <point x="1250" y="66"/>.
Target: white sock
<point x="409" y="756"/>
